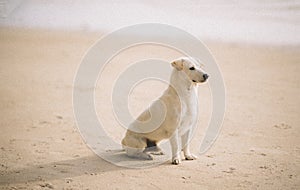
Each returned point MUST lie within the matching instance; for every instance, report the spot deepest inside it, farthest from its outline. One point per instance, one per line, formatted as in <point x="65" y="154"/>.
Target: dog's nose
<point x="205" y="76"/>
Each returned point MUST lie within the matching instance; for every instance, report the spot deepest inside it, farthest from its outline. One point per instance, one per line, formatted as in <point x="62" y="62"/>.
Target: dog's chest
<point x="189" y="107"/>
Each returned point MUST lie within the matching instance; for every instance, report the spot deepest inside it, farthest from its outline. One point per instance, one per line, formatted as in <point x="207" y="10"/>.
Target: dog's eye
<point x="192" y="68"/>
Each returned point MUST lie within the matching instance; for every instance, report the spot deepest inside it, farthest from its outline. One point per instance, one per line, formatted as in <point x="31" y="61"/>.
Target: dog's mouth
<point x="194" y="81"/>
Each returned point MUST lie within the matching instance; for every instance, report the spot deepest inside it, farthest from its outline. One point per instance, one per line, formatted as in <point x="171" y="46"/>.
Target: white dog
<point x="179" y="105"/>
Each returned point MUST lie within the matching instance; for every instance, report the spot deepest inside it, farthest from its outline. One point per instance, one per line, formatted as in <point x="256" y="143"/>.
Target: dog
<point x="180" y="108"/>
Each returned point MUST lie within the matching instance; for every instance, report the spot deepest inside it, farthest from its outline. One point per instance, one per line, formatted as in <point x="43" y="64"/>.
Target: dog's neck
<point x="180" y="81"/>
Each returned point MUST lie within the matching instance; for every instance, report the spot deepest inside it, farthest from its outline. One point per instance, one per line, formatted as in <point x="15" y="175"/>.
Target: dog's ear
<point x="178" y="64"/>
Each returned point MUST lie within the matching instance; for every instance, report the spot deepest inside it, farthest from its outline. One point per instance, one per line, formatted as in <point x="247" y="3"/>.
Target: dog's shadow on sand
<point x="90" y="165"/>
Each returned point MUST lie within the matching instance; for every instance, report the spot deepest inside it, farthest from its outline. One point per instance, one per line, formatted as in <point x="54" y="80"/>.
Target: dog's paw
<point x="155" y="150"/>
<point x="148" y="157"/>
<point x="190" y="157"/>
<point x="176" y="161"/>
<point x="157" y="153"/>
<point x="145" y="156"/>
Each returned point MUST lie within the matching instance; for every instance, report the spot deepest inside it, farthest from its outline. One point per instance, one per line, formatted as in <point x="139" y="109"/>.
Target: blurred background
<point x="264" y="22"/>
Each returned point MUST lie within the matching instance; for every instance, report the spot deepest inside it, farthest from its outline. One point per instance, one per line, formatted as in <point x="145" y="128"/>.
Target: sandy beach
<point x="41" y="148"/>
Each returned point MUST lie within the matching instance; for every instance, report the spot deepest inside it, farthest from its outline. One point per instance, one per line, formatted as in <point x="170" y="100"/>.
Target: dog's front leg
<point x="185" y="141"/>
<point x="175" y="148"/>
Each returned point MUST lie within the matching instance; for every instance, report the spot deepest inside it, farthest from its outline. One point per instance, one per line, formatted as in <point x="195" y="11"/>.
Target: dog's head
<point x="191" y="68"/>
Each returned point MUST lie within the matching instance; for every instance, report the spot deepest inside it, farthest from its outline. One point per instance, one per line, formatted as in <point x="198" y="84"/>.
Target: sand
<point x="41" y="148"/>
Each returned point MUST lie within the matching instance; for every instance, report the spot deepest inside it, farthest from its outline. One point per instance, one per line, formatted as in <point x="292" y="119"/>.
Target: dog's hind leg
<point x="152" y="148"/>
<point x="135" y="146"/>
<point x="138" y="153"/>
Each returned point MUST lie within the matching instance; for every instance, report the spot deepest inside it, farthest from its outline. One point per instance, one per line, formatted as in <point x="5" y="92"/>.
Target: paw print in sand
<point x="282" y="126"/>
